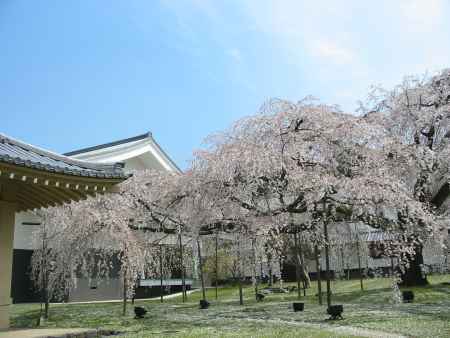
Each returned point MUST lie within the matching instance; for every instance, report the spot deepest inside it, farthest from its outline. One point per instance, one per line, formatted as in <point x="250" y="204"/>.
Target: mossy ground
<point x="371" y="309"/>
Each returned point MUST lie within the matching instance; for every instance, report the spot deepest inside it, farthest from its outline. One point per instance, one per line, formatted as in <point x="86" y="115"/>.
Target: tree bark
<point x="304" y="270"/>
<point x="241" y="295"/>
<point x="413" y="276"/>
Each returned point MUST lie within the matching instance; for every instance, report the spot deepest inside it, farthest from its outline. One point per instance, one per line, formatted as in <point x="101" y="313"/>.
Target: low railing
<point x="165" y="282"/>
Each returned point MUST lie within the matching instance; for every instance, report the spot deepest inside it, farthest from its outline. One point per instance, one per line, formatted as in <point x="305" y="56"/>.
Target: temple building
<point x="136" y="153"/>
<point x="31" y="178"/>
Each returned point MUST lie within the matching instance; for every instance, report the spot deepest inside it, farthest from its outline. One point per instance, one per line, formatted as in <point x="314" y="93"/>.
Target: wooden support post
<point x="241" y="296"/>
<point x="200" y="261"/>
<point x="124" y="303"/>
<point x="361" y="277"/>
<point x="161" y="273"/>
<point x="217" y="264"/>
<point x="318" y="268"/>
<point x="297" y="265"/>
<point x="254" y="266"/>
<point x="327" y="252"/>
<point x="183" y="276"/>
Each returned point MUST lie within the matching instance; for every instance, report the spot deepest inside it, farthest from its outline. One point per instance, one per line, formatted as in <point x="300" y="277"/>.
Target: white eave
<point x="142" y="148"/>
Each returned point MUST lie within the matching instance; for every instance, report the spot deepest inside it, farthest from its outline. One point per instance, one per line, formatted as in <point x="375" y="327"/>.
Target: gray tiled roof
<point x="22" y="154"/>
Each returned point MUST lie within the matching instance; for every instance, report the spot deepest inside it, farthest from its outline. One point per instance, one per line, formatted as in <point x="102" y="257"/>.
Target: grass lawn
<point x="368" y="313"/>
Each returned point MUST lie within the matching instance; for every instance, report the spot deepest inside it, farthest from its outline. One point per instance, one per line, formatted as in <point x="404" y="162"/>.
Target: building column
<point x="7" y="217"/>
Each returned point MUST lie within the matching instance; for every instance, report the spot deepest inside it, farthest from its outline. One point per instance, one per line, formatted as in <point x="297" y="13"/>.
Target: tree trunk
<point x="297" y="266"/>
<point x="45" y="290"/>
<point x="327" y="261"/>
<point x="241" y="297"/>
<point x="200" y="262"/>
<point x="270" y="273"/>
<point x="361" y="277"/>
<point x="124" y="305"/>
<point x="183" y="278"/>
<point x="47" y="305"/>
<point x="254" y="267"/>
<point x="304" y="271"/>
<point x="134" y="291"/>
<point x="413" y="276"/>
<point x="161" y="288"/>
<point x="44" y="274"/>
<point x="217" y="265"/>
<point x="280" y="263"/>
<point x="261" y="275"/>
<point x="319" y="277"/>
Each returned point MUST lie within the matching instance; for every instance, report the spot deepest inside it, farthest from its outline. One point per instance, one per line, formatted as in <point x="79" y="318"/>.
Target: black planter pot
<point x="204" y="304"/>
<point x="139" y="312"/>
<point x="335" y="311"/>
<point x="298" y="306"/>
<point x="408" y="296"/>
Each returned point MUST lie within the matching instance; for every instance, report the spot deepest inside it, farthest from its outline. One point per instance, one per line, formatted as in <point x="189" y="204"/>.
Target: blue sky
<point x="83" y="72"/>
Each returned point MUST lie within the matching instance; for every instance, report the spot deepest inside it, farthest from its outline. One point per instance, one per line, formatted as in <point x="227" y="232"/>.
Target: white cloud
<point x="422" y="15"/>
<point x="330" y="51"/>
<point x="338" y="44"/>
<point x="235" y="54"/>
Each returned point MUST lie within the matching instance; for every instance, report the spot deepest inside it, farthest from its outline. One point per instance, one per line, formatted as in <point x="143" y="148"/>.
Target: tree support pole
<point x="359" y="265"/>
<point x="254" y="267"/>
<point x="161" y="273"/>
<point x="319" y="278"/>
<point x="183" y="277"/>
<point x="241" y="296"/>
<point x="217" y="264"/>
<point x="297" y="265"/>
<point x="124" y="304"/>
<point x="200" y="261"/>
<point x="327" y="253"/>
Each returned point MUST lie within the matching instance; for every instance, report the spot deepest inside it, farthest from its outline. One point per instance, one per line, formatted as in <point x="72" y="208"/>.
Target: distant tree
<point x="416" y="113"/>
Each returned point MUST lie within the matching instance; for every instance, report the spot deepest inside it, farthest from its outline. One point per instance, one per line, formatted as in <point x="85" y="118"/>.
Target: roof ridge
<point x="109" y="144"/>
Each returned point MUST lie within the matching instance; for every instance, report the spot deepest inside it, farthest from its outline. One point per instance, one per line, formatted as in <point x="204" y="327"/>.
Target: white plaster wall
<point x="106" y="289"/>
<point x="24" y="234"/>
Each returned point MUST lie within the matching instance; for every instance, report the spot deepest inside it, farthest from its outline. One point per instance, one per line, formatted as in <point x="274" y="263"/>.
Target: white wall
<point x="24" y="233"/>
